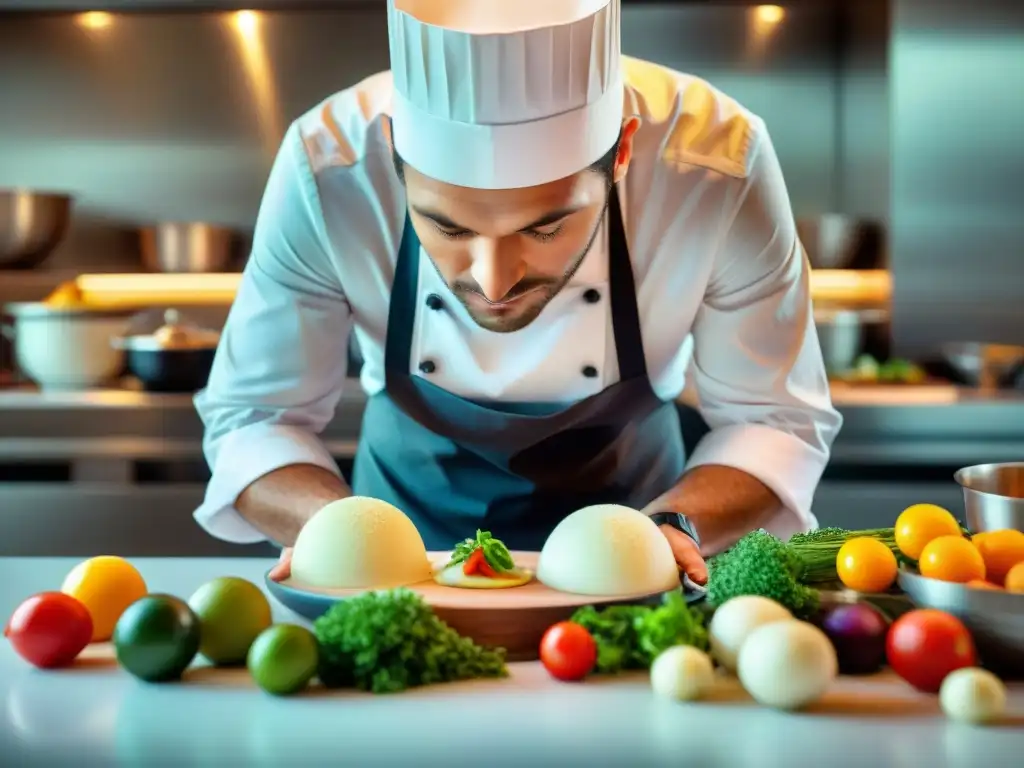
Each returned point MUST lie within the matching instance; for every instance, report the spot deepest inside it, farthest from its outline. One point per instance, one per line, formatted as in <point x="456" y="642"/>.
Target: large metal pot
<point x="187" y="247"/>
<point x="32" y="225"/>
<point x="62" y="348"/>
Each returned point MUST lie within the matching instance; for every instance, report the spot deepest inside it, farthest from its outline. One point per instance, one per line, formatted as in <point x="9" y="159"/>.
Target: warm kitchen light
<point x="770" y="14"/>
<point x="845" y="286"/>
<point x="94" y="20"/>
<point x="260" y="76"/>
<point x="247" y="22"/>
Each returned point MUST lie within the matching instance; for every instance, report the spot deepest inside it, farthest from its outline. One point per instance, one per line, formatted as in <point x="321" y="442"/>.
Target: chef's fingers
<point x="687" y="554"/>
<point x="283" y="569"/>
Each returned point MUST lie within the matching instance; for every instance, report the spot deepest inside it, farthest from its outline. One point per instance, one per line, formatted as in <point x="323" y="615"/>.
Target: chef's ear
<point x="385" y="126"/>
<point x="629" y="128"/>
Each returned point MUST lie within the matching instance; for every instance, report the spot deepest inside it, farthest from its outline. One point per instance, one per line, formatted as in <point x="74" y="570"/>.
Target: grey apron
<point x="454" y="465"/>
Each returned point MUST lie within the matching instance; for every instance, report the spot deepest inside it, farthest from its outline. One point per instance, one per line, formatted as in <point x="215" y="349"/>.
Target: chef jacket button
<point x="427" y="366"/>
<point x="592" y="296"/>
<point x="434" y="302"/>
<point x="589" y="371"/>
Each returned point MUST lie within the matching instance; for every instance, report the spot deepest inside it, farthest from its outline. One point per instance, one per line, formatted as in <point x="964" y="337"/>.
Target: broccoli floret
<point x="761" y="564"/>
<point x="390" y="640"/>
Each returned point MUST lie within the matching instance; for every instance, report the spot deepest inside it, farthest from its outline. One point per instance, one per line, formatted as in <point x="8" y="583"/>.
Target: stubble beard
<point x="541" y="293"/>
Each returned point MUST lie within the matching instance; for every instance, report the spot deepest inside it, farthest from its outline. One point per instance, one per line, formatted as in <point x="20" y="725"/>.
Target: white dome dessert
<point x="360" y="543"/>
<point x="608" y="550"/>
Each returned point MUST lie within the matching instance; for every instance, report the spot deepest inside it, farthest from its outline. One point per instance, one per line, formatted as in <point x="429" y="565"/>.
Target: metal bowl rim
<point x="958" y="475"/>
<point x="40" y="193"/>
<point x="976" y="595"/>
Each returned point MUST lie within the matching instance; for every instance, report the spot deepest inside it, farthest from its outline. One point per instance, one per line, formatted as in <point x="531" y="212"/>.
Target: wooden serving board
<point x="514" y="618"/>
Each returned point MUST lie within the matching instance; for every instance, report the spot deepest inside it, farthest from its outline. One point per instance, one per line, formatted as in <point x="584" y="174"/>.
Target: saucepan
<point x="32" y="225"/>
<point x="177" y="357"/>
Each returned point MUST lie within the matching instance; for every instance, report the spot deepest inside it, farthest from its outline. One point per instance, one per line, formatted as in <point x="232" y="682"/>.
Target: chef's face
<point x="506" y="253"/>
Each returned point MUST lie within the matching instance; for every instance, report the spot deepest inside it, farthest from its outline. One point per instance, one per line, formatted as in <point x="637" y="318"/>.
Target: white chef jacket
<point x="722" y="289"/>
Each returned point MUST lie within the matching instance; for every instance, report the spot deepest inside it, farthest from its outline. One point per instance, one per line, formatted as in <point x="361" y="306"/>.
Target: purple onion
<point x="858" y="634"/>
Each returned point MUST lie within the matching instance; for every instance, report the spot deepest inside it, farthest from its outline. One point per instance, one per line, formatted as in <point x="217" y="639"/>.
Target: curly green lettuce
<point x="390" y="640"/>
<point x="632" y="636"/>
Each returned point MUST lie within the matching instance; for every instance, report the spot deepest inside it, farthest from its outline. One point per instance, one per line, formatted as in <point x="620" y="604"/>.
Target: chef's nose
<point x="495" y="269"/>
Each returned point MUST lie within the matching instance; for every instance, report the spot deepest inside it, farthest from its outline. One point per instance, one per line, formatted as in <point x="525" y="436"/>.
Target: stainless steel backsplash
<point x="957" y="172"/>
<point x="177" y="116"/>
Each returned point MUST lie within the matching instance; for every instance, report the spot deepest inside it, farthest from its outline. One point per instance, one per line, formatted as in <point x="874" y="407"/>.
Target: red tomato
<point x="471" y="565"/>
<point x="50" y="629"/>
<point x="567" y="651"/>
<point x="924" y="646"/>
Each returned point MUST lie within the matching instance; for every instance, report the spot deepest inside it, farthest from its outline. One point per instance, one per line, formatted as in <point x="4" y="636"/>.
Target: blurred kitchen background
<point x="134" y="145"/>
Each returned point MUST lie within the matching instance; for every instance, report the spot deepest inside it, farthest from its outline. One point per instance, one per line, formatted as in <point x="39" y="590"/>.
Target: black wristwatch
<point x="679" y="522"/>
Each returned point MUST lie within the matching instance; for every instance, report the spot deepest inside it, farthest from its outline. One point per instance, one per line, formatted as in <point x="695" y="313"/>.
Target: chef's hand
<point x="687" y="554"/>
<point x="283" y="569"/>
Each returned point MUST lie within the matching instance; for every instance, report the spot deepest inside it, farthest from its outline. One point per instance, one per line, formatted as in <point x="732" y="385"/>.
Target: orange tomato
<point x="866" y="565"/>
<point x="982" y="584"/>
<point x="105" y="585"/>
<point x="919" y="524"/>
<point x="1001" y="550"/>
<point x="952" y="558"/>
<point x="1015" y="579"/>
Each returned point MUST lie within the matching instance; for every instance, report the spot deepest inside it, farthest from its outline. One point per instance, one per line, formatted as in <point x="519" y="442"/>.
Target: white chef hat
<point x="501" y="94"/>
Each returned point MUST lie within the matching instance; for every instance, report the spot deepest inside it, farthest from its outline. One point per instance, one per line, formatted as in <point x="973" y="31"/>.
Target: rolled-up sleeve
<point x="282" y="358"/>
<point x="757" y="362"/>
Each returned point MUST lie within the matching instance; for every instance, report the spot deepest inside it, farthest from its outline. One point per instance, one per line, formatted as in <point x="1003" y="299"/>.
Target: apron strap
<point x="625" y="315"/>
<point x="402" y="309"/>
<point x="629" y="343"/>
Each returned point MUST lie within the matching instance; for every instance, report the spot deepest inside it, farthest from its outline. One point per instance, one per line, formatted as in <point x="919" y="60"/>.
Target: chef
<point x="535" y="241"/>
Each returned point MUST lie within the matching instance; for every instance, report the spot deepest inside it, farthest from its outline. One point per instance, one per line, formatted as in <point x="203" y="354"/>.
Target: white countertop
<point x="96" y="715"/>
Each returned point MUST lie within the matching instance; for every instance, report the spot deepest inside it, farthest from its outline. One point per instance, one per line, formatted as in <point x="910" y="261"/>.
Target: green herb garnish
<point x="495" y="552"/>
<point x="390" y="640"/>
<point x="632" y="636"/>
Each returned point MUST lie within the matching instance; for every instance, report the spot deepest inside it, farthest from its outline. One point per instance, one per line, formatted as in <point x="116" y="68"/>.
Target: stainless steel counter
<point x="122" y="471"/>
<point x="902" y="425"/>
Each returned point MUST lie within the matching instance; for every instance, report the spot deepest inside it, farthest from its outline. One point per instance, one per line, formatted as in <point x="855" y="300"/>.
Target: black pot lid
<point x="174" y="334"/>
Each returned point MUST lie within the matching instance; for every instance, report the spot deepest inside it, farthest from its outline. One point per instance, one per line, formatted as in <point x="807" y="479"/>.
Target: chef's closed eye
<point x="546" y="233"/>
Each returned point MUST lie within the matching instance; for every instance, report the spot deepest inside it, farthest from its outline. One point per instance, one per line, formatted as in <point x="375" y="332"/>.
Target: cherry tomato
<point x="50" y="629"/>
<point x="567" y="651"/>
<point x="471" y="565"/>
<point x="924" y="646"/>
<point x="485" y="569"/>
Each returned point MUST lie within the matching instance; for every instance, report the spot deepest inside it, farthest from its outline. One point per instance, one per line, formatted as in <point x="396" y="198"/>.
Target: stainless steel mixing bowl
<point x="838" y="241"/>
<point x="187" y="247"/>
<point x="993" y="496"/>
<point x="995" y="619"/>
<point x="32" y="224"/>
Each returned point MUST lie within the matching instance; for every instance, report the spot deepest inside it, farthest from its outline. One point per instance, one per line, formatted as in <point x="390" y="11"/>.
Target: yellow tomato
<point x="106" y="586"/>
<point x="919" y="524"/>
<point x="866" y="565"/>
<point x="1001" y="550"/>
<point x="1015" y="579"/>
<point x="952" y="558"/>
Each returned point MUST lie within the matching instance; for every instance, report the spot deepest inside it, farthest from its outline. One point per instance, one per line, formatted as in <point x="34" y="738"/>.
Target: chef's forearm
<point x="723" y="504"/>
<point x="280" y="502"/>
